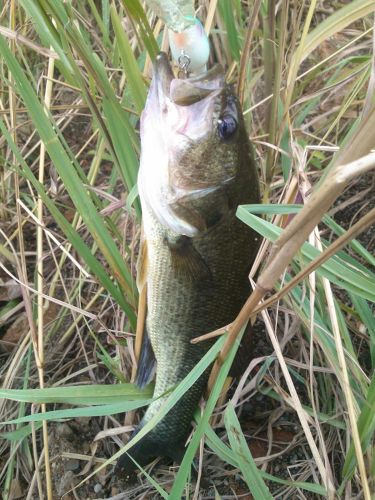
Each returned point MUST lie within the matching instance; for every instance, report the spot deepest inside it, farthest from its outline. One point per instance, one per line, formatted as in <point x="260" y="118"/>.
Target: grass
<point x="74" y="78"/>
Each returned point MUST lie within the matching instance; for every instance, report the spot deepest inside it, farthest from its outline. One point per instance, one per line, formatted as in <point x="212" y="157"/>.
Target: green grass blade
<point x="90" y="411"/>
<point x="245" y="460"/>
<point x="150" y="479"/>
<point x="134" y="77"/>
<point x="228" y="455"/>
<point x="227" y="14"/>
<point x="135" y="11"/>
<point x="354" y="10"/>
<point x="366" y="429"/>
<point x="101" y="22"/>
<point x="123" y="139"/>
<point x="21" y="433"/>
<point x="357" y="282"/>
<point x="367" y="316"/>
<point x="355" y="245"/>
<point x="83" y="395"/>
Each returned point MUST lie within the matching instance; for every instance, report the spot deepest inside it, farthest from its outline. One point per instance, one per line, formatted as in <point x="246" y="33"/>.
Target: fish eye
<point x="226" y="126"/>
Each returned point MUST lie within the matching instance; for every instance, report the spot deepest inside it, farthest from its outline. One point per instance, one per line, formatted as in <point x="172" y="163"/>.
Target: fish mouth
<point x="187" y="91"/>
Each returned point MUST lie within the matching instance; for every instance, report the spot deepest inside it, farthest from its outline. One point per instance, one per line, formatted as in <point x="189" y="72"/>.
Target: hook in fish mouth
<point x="187" y="91"/>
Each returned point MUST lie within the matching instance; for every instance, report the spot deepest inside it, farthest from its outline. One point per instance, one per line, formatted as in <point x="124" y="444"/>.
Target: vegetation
<point x="300" y="422"/>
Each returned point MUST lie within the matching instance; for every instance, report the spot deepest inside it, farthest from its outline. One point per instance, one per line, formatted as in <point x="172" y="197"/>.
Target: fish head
<point x="192" y="138"/>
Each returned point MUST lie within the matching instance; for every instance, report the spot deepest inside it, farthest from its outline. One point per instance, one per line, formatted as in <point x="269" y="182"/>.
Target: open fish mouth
<point x="185" y="92"/>
<point x="184" y="106"/>
<point x="179" y="118"/>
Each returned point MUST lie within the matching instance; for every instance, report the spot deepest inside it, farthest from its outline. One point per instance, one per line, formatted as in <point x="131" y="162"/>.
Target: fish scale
<point x="196" y="283"/>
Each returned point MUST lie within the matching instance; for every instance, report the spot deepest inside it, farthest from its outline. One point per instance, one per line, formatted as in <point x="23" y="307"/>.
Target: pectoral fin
<point x="187" y="261"/>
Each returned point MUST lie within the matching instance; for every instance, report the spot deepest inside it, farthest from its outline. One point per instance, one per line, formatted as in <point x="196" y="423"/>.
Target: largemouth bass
<point x="196" y="168"/>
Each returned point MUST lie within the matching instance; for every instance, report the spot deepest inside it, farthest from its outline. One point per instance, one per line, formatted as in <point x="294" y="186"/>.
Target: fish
<point x="196" y="167"/>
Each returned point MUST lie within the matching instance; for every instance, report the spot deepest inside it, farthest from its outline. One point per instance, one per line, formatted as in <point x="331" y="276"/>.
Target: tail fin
<point x="140" y="452"/>
<point x="146" y="450"/>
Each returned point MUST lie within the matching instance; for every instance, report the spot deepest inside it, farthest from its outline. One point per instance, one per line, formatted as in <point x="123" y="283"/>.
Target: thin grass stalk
<point x="292" y="75"/>
<point x="246" y="51"/>
<point x="345" y="384"/>
<point x="210" y="16"/>
<point x="13" y="124"/>
<point x="21" y="263"/>
<point x="40" y="280"/>
<point x="275" y="92"/>
<point x="370" y="95"/>
<point x="269" y="42"/>
<point x="37" y="460"/>
<point x="312" y="379"/>
<point x="324" y="471"/>
<point x="314" y="398"/>
<point x="76" y="321"/>
<point x="34" y="478"/>
<point x="4" y="193"/>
